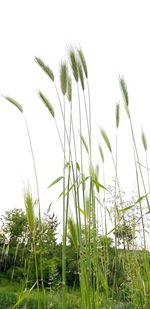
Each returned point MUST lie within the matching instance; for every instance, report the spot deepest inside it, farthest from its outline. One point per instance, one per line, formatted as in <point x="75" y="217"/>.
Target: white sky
<point x="114" y="36"/>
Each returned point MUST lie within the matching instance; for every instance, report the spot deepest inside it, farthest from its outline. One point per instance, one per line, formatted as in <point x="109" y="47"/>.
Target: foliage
<point x="16" y="245"/>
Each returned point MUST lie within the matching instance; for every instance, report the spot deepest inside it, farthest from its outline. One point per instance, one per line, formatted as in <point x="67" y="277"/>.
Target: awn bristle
<point x="47" y="103"/>
<point x="45" y="68"/>
<point x="14" y="103"/>
<point x="82" y="59"/>
<point x="74" y="65"/>
<point x="124" y="90"/>
<point x="63" y="77"/>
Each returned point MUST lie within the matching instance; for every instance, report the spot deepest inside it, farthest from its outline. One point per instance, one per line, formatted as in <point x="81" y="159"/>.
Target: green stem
<point x="64" y="209"/>
<point x="34" y="165"/>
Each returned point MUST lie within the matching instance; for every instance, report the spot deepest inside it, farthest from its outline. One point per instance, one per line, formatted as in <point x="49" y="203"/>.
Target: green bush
<point x="7" y="299"/>
<point x="15" y="273"/>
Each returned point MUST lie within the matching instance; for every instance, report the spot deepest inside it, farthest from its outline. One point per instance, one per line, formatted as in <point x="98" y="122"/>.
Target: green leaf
<point x="111" y="231"/>
<point x="99" y="202"/>
<point x="65" y="192"/>
<point x="49" y="207"/>
<point x="126" y="208"/>
<point x="83" y="181"/>
<point x="23" y="296"/>
<point x="82" y="211"/>
<point x="67" y="165"/>
<point x="147" y="213"/>
<point x="55" y="181"/>
<point x="141" y="198"/>
<point x="97" y="184"/>
<point x="78" y="166"/>
<point x="138" y="201"/>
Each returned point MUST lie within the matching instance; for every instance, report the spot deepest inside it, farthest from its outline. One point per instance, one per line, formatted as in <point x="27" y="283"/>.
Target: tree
<point x="15" y="239"/>
<point x="15" y="226"/>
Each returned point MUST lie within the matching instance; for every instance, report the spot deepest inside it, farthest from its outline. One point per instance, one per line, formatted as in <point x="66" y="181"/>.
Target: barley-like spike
<point x="45" y="68"/>
<point x="63" y="77"/>
<point x="73" y="232"/>
<point x="106" y="139"/>
<point x="14" y="103"/>
<point x="74" y="64"/>
<point x="47" y="103"/>
<point x="117" y="115"/>
<point x="69" y="89"/>
<point x="101" y="153"/>
<point x="29" y="205"/>
<point x="124" y="90"/>
<point x="87" y="206"/>
<point x="84" y="143"/>
<point x="82" y="59"/>
<point x="81" y="75"/>
<point x="144" y="141"/>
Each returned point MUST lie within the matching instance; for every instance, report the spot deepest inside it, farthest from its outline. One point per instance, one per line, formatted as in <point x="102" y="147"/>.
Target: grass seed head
<point x="63" y="77"/>
<point x="45" y="68"/>
<point x="29" y="205"/>
<point x="124" y="90"/>
<point x="106" y="139"/>
<point x="73" y="232"/>
<point x="84" y="143"/>
<point x="81" y="75"/>
<point x="82" y="59"/>
<point x="117" y="115"/>
<point x="87" y="206"/>
<point x="101" y="153"/>
<point x="74" y="65"/>
<point x="69" y="89"/>
<point x="144" y="141"/>
<point x="47" y="103"/>
<point x="14" y="103"/>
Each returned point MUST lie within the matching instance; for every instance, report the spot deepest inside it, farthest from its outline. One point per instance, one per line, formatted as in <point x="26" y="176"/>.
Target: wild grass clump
<point x="109" y="276"/>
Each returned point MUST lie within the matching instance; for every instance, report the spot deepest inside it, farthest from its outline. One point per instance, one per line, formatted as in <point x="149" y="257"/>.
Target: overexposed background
<point x="114" y="36"/>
